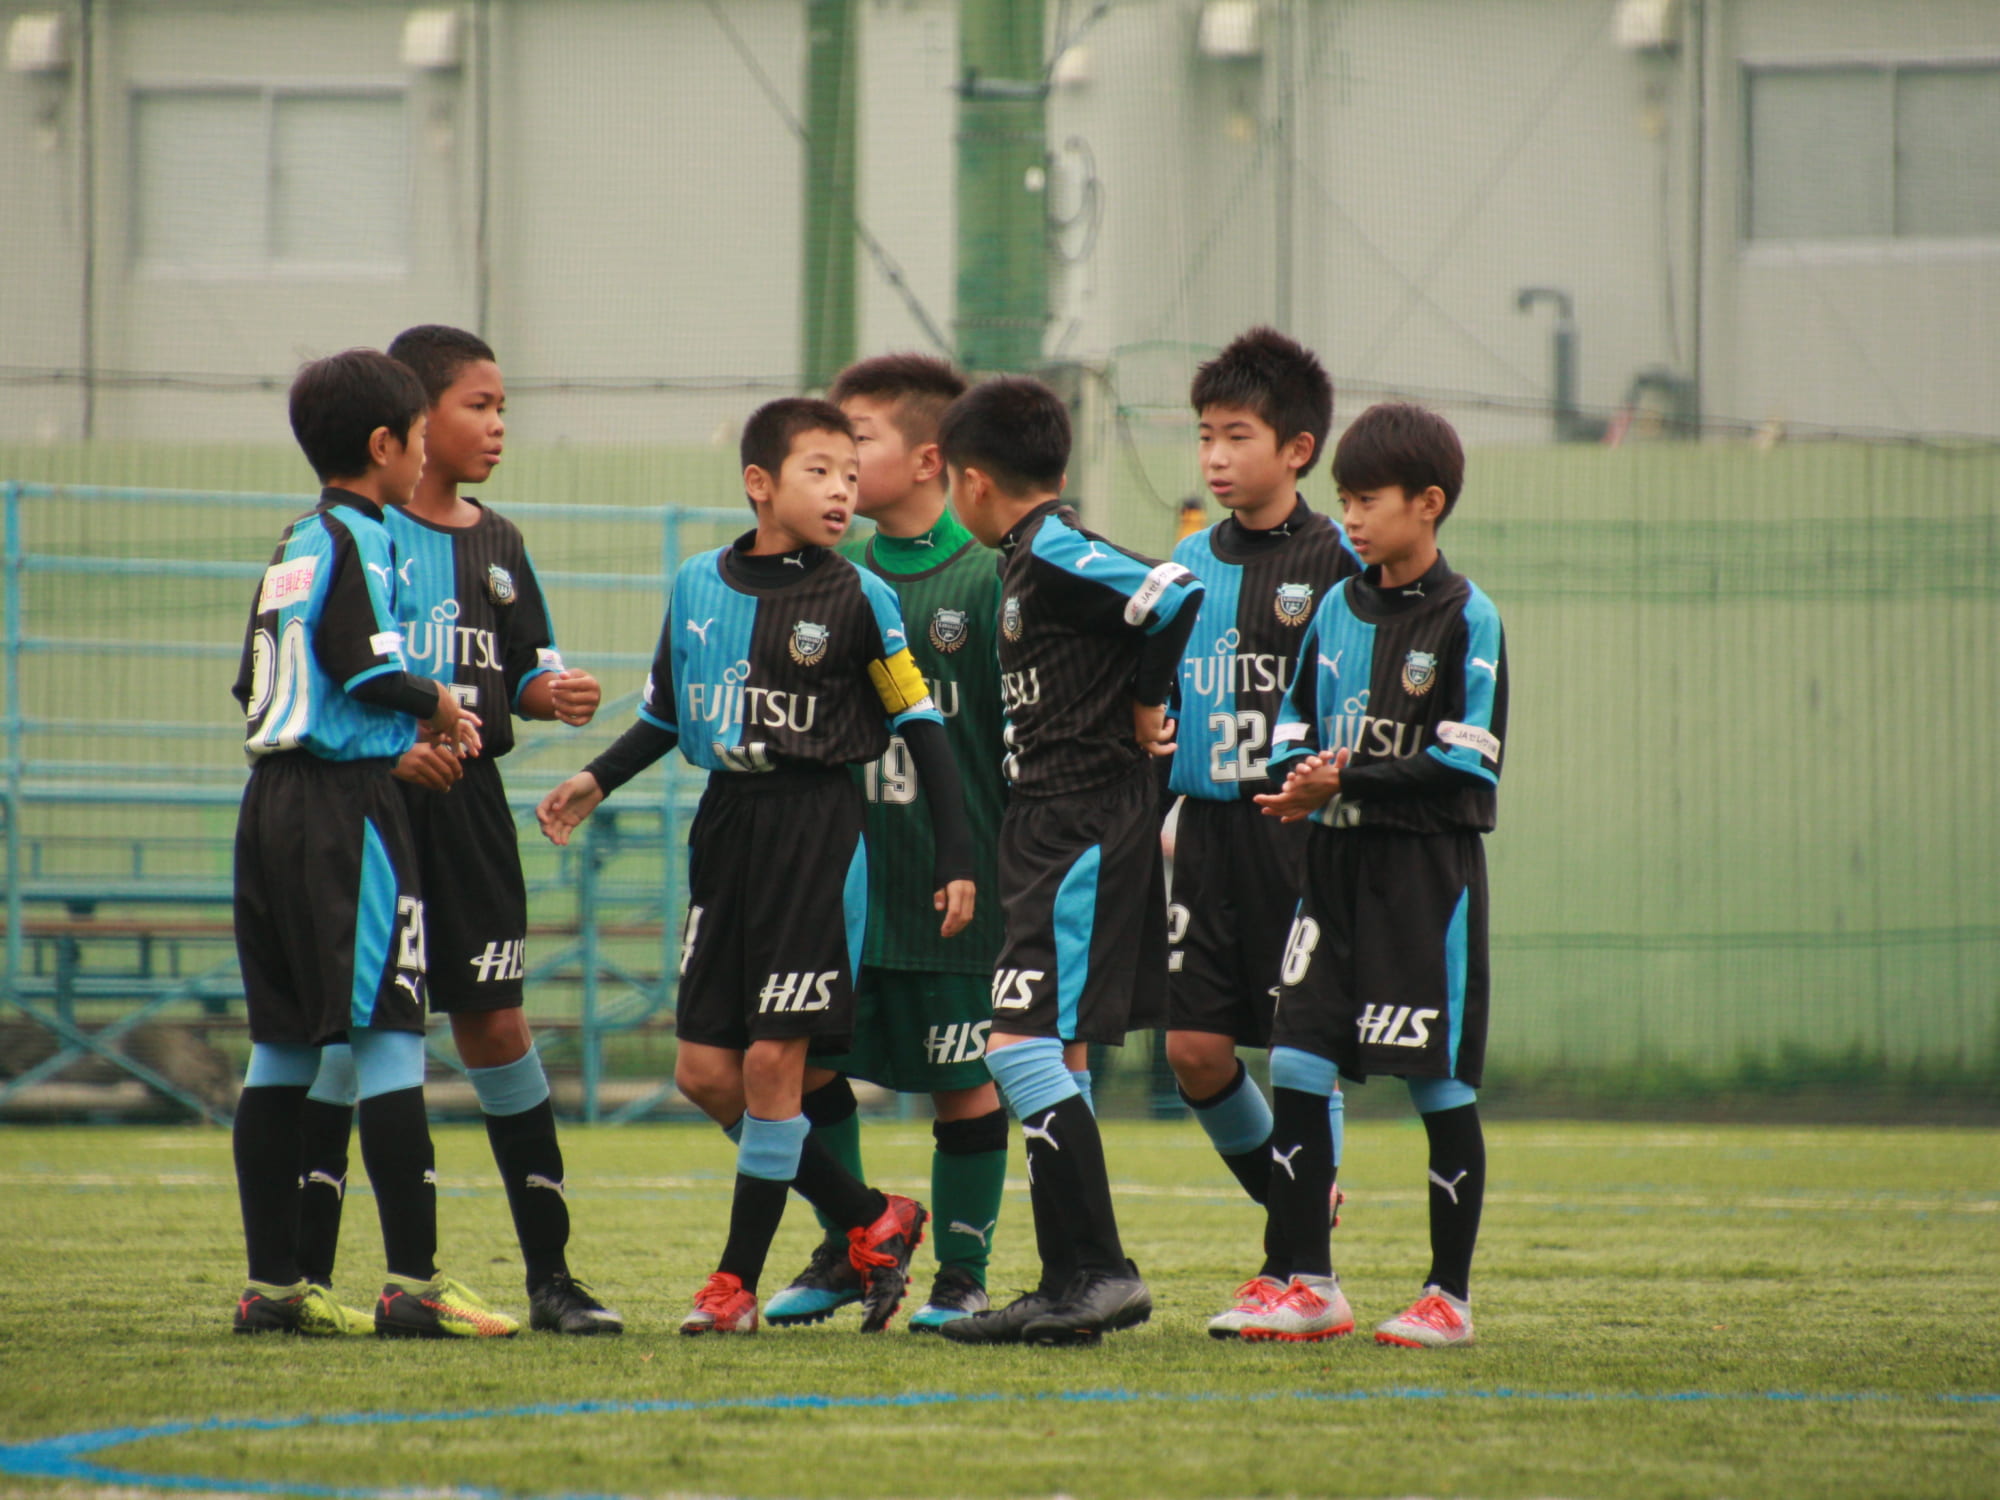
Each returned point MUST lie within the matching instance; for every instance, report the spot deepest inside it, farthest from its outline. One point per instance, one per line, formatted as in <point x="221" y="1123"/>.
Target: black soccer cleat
<point x="1093" y="1304"/>
<point x="828" y="1282"/>
<point x="1002" y="1325"/>
<point x="955" y="1293"/>
<point x="562" y="1304"/>
<point x="881" y="1252"/>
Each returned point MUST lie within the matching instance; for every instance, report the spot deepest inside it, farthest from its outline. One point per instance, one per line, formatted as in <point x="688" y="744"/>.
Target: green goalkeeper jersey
<point x="949" y="587"/>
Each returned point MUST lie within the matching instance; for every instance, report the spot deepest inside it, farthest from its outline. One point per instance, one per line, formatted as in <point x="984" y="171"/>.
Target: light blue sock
<point x="1081" y="1077"/>
<point x="1336" y="1117"/>
<point x="1434" y="1095"/>
<point x="1241" y="1122"/>
<point x="512" y="1088"/>
<point x="770" y="1148"/>
<point x="1031" y="1075"/>
<point x="386" y="1062"/>
<point x="281" y="1065"/>
<point x="336" y="1083"/>
<point x="1306" y="1072"/>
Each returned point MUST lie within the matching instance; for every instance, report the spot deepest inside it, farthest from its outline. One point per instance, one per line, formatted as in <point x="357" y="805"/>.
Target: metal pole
<point x="586" y="903"/>
<point x="827" y="340"/>
<point x="1002" y="174"/>
<point x="86" y="110"/>
<point x="16" y="730"/>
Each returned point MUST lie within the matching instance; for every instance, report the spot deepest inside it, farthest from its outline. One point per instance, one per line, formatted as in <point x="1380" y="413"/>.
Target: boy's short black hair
<point x="438" y="353"/>
<point x="1278" y="378"/>
<point x="769" y="434"/>
<point x="1396" y="443"/>
<point x="338" y="401"/>
<point x="1013" y="429"/>
<point x="920" y="385"/>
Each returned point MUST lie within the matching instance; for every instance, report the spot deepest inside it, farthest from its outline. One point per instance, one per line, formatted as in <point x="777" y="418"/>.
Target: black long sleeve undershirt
<point x="400" y="692"/>
<point x="1160" y="658"/>
<point x="629" y="754"/>
<point x="944" y="792"/>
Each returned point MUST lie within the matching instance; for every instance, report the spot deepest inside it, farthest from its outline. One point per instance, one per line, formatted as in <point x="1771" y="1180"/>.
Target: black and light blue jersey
<point x="1076" y="613"/>
<point x="473" y="615"/>
<point x="1412" y="681"/>
<point x="324" y="622"/>
<point x="758" y="673"/>
<point x="1262" y="589"/>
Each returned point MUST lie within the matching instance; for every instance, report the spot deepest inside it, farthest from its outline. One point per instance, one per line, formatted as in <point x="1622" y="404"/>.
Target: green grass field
<point x="1663" y="1311"/>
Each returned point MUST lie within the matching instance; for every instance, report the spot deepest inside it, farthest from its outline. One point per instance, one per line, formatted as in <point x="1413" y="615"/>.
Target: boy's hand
<point x="956" y="902"/>
<point x="574" y="695"/>
<point x="1313" y="783"/>
<point x="453" y="723"/>
<point x="1153" y="729"/>
<point x="430" y="764"/>
<point x="568" y="805"/>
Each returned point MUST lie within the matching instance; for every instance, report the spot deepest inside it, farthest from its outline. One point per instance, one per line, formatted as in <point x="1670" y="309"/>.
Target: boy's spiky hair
<point x="768" y="435"/>
<point x="338" y="402"/>
<point x="920" y="386"/>
<point x="1013" y="429"/>
<point x="438" y="352"/>
<point x="1396" y="443"/>
<point x="1278" y="378"/>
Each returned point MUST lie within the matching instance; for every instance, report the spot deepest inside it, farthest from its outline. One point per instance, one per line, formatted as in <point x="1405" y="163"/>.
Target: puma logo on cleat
<point x="959" y="1226"/>
<point x="338" y="1184"/>
<point x="536" y="1179"/>
<point x="1284" y="1159"/>
<point x="1451" y="1187"/>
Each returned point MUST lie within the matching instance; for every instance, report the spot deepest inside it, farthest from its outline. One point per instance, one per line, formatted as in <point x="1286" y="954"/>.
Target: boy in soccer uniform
<point x="476" y="621"/>
<point x="779" y="665"/>
<point x="1089" y="638"/>
<point x="1264" y="405"/>
<point x="1391" y="740"/>
<point x="923" y="1006"/>
<point x="329" y="902"/>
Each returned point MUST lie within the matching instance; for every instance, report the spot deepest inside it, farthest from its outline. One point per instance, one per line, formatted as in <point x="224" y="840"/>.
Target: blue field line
<point x="67" y="1457"/>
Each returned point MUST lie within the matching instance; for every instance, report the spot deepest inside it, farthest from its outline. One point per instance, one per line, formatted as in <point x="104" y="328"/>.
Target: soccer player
<point x="1390" y="740"/>
<point x="329" y="903"/>
<point x="1089" y="638"/>
<point x="779" y="665"/>
<point x="478" y="623"/>
<point x="1264" y="406"/>
<point x="923" y="1005"/>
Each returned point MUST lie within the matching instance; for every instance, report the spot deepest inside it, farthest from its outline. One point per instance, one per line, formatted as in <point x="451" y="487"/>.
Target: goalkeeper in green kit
<point x="923" y="1002"/>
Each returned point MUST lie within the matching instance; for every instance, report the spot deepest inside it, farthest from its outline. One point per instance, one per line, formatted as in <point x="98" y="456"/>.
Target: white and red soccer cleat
<point x="1310" y="1308"/>
<point x="1435" y="1321"/>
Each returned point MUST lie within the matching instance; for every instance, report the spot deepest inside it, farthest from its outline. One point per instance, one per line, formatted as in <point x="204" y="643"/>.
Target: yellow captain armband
<point x="898" y="683"/>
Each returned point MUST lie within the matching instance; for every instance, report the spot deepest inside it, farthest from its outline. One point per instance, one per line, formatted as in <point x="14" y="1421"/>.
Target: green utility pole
<point x="827" y="338"/>
<point x="1002" y="166"/>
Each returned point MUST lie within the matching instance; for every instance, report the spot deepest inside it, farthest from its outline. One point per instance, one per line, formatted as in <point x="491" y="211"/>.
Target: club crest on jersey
<point x="1420" y="670"/>
<point x="808" y="642"/>
<point x="499" y="584"/>
<point x="1010" y="618"/>
<point x="1294" y="603"/>
<point x="948" y="629"/>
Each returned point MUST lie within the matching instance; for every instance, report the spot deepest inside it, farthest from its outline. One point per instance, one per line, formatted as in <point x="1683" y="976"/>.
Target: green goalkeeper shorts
<point x="918" y="1033"/>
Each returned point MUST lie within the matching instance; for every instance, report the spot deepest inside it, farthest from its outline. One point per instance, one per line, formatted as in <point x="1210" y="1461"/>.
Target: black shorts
<point x="777" y="909"/>
<point x="1385" y="969"/>
<point x="1084" y="893"/>
<point x="329" y="904"/>
<point x="475" y="901"/>
<point x="1235" y="889"/>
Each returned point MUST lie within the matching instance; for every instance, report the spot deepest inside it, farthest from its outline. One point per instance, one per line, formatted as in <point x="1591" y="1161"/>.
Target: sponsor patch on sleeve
<point x="1149" y="593"/>
<point x="1288" y="732"/>
<point x="1471" y="736"/>
<point x="386" y="643"/>
<point x="898" y="683"/>
<point x="287" y="583"/>
<point x="549" y="659"/>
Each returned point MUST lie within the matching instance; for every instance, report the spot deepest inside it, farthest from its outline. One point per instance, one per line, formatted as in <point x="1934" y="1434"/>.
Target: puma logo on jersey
<point x="536" y="1179"/>
<point x="701" y="629"/>
<point x="1093" y="555"/>
<point x="404" y="981"/>
<point x="381" y="568"/>
<point x="1284" y="1159"/>
<point x="791" y="994"/>
<point x="1452" y="1186"/>
<point x="795" y="560"/>
<point x="1014" y="989"/>
<point x="959" y="1226"/>
<point x="1383" y="1026"/>
<point x="404" y="572"/>
<point x="1486" y="666"/>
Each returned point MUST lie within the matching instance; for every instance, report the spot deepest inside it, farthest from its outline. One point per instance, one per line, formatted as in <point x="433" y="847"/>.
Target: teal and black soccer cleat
<point x="828" y="1282"/>
<point x="722" y="1306"/>
<point x="1093" y="1304"/>
<point x="562" y="1304"/>
<point x="881" y="1252"/>
<point x="1251" y="1298"/>
<point x="1308" y="1309"/>
<point x="1436" y="1320"/>
<point x="437" y="1309"/>
<point x="955" y="1293"/>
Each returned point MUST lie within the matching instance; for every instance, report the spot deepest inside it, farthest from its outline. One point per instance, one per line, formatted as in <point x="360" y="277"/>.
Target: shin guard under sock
<point x="1301" y="1180"/>
<point x="968" y="1174"/>
<point x="324" y="1130"/>
<point x="402" y="1168"/>
<point x="1066" y="1170"/>
<point x="836" y="1126"/>
<point x="265" y="1141"/>
<point x="1458" y="1192"/>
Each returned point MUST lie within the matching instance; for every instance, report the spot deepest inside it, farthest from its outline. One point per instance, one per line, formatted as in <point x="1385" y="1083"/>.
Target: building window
<point x="1874" y="151"/>
<point x="250" y="181"/>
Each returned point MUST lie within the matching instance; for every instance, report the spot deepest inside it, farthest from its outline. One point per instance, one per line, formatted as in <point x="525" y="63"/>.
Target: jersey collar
<point x="1025" y="527"/>
<point x="333" y="495"/>
<point x="1379" y="600"/>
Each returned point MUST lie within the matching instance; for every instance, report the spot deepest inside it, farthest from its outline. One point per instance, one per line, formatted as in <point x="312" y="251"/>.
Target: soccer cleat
<point x="1309" y="1309"/>
<point x="1256" y="1294"/>
<point x="955" y="1293"/>
<point x="1093" y="1304"/>
<point x="321" y="1316"/>
<point x="265" y="1308"/>
<point x="881" y="1253"/>
<point x="1437" y="1319"/>
<point x="1002" y="1325"/>
<point x="722" y="1306"/>
<point x="562" y="1304"/>
<point x="829" y="1281"/>
<point x="437" y="1309"/>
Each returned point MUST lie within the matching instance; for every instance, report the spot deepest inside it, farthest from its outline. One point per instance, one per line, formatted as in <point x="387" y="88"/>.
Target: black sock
<point x="396" y="1149"/>
<point x="325" y="1129"/>
<point x="833" y="1190"/>
<point x="531" y="1166"/>
<point x="1299" y="1165"/>
<point x="754" y="1216"/>
<point x="1458" y="1190"/>
<point x="266" y="1144"/>
<point x="830" y="1103"/>
<point x="1066" y="1170"/>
